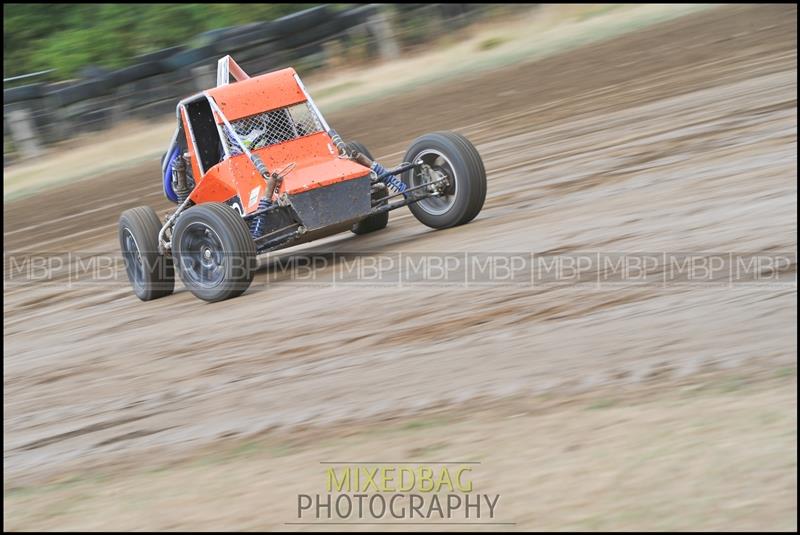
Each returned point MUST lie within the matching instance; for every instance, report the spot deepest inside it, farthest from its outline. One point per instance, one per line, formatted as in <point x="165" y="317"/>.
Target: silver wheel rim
<point x="436" y="160"/>
<point x="133" y="259"/>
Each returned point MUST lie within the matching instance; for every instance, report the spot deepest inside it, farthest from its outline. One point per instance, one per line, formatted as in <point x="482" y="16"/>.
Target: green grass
<point x="490" y="43"/>
<point x="66" y="482"/>
<point x="604" y="403"/>
<point x="429" y="451"/>
<point x="427" y="423"/>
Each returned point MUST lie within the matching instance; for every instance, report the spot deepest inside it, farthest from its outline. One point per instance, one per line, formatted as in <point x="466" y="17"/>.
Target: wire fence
<point x="272" y="127"/>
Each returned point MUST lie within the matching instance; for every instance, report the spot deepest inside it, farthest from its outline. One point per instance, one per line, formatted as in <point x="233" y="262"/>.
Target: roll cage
<point x="215" y="138"/>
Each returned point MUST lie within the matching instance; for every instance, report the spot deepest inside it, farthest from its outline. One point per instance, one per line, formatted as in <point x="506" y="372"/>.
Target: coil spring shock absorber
<point x="394" y="183"/>
<point x="259" y="222"/>
<point x="274" y="181"/>
<point x="382" y="174"/>
<point x="338" y="142"/>
<point x="181" y="185"/>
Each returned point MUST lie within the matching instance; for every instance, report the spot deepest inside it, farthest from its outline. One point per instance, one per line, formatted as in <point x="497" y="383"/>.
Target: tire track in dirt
<point x="683" y="138"/>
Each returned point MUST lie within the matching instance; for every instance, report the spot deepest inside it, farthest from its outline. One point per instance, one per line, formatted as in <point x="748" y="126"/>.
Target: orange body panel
<point x="226" y="180"/>
<point x="316" y="165"/>
<point x="258" y="94"/>
<point x="316" y="160"/>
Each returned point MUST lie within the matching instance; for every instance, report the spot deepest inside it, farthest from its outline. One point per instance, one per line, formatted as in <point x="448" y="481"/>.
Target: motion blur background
<point x="74" y="68"/>
<point x="605" y="129"/>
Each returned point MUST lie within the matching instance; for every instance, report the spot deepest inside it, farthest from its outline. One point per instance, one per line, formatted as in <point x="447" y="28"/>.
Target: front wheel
<point x="214" y="252"/>
<point x="452" y="156"/>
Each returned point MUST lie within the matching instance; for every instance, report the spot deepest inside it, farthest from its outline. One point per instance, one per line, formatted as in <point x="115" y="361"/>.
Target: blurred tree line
<point x="67" y="37"/>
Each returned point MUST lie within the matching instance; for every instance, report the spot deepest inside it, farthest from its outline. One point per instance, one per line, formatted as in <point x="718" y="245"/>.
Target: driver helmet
<point x="250" y="130"/>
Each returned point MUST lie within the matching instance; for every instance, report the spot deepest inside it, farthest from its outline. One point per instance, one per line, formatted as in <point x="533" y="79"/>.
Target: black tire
<point x="356" y="15"/>
<point x="210" y="37"/>
<point x="457" y="158"/>
<point x="135" y="72"/>
<point x="214" y="252"/>
<point x="150" y="273"/>
<point x="158" y="55"/>
<point x="23" y="92"/>
<point x="261" y="52"/>
<point x="187" y="58"/>
<point x="373" y="222"/>
<point x="93" y="72"/>
<point x="80" y="91"/>
<point x="245" y="38"/>
<point x="301" y="21"/>
<point x="314" y="33"/>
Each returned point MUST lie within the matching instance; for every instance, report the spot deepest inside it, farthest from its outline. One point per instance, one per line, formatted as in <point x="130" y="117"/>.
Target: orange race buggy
<point x="254" y="167"/>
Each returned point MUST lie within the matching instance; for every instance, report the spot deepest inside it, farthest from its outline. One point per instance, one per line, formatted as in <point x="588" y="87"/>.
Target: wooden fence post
<point x="205" y="77"/>
<point x="23" y="132"/>
<point x="382" y="29"/>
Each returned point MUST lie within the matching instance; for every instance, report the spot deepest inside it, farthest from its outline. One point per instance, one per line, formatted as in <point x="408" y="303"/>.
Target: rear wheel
<point x="373" y="222"/>
<point x="214" y="251"/>
<point x="150" y="273"/>
<point x="449" y="155"/>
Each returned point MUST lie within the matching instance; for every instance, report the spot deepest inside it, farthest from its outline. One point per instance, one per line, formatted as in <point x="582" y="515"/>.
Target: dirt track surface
<point x="681" y="138"/>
